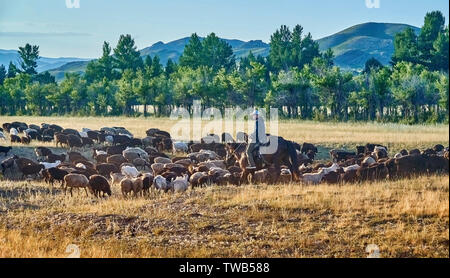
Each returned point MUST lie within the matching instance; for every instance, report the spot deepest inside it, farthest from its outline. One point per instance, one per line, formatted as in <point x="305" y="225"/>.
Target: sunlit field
<point x="404" y="218"/>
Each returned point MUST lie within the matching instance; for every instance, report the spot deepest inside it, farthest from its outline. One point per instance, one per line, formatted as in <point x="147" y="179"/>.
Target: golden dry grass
<point x="405" y="218"/>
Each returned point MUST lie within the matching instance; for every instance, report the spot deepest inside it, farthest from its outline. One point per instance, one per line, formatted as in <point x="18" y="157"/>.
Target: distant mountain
<point x="174" y="49"/>
<point x="44" y="63"/>
<point x="353" y="46"/>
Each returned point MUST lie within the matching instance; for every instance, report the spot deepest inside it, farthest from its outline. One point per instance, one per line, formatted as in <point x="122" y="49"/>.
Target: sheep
<point x="333" y="168"/>
<point x="98" y="184"/>
<point x="180" y="184"/>
<point x="162" y="160"/>
<point x="75" y="181"/>
<point x="369" y="160"/>
<point x="80" y="165"/>
<point x="28" y="170"/>
<point x="160" y="183"/>
<point x="285" y="176"/>
<point x="56" y="174"/>
<point x="48" y="165"/>
<point x="142" y="154"/>
<point x="2" y="136"/>
<point x="260" y="176"/>
<point x="313" y="178"/>
<point x="351" y="168"/>
<point x="147" y="181"/>
<point x="52" y="158"/>
<point x="129" y="171"/>
<point x="140" y="163"/>
<point x="180" y="147"/>
<point x="13" y="131"/>
<point x="116" y="178"/>
<point x="42" y="151"/>
<point x="198" y="179"/>
<point x="8" y="163"/>
<point x="131" y="185"/>
<point x="130" y="156"/>
<point x="398" y="155"/>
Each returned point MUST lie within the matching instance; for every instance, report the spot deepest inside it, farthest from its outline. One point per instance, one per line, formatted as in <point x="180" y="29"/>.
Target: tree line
<point x="296" y="78"/>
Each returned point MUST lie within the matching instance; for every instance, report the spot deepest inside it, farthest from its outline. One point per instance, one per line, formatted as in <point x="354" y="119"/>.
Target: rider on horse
<point x="256" y="138"/>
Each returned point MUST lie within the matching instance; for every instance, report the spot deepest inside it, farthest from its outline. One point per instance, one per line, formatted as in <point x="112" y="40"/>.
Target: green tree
<point x="3" y="74"/>
<point x="126" y="55"/>
<point x="12" y="70"/>
<point x="29" y="54"/>
<point x="434" y="25"/>
<point x="406" y="47"/>
<point x="193" y="53"/>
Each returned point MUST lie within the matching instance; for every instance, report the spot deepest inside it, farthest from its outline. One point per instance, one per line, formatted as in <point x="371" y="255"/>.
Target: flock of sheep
<point x="116" y="158"/>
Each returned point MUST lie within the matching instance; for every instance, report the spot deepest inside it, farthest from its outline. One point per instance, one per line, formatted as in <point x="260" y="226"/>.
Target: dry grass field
<point x="405" y="218"/>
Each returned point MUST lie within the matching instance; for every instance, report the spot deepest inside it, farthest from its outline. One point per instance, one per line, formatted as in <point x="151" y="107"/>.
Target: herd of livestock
<point x="96" y="160"/>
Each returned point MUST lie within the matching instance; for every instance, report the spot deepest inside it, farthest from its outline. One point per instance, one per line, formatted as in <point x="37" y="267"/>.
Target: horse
<point x="284" y="155"/>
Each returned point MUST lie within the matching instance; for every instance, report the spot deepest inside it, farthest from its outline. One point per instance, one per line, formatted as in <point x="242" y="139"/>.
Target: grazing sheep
<point x="157" y="168"/>
<point x="56" y="174"/>
<point x="369" y="161"/>
<point x="333" y="168"/>
<point x="42" y="151"/>
<point x="75" y="181"/>
<point x="180" y="147"/>
<point x="351" y="168"/>
<point x="105" y="169"/>
<point x="140" y="163"/>
<point x="129" y="171"/>
<point x="180" y="184"/>
<point x="160" y="183"/>
<point x="48" y="165"/>
<point x="198" y="179"/>
<point x="260" y="176"/>
<point x="8" y="163"/>
<point x="116" y="178"/>
<point x="13" y="131"/>
<point x="28" y="170"/>
<point x="162" y="160"/>
<point x="15" y="139"/>
<point x="52" y="158"/>
<point x="147" y="181"/>
<point x="98" y="184"/>
<point x="130" y="185"/>
<point x="313" y="178"/>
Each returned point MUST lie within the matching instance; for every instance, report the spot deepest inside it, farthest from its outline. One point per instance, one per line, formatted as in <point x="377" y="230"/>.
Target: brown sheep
<point x="28" y="170"/>
<point x="61" y="139"/>
<point x="116" y="159"/>
<point x="75" y="181"/>
<point x="98" y="184"/>
<point x="105" y="169"/>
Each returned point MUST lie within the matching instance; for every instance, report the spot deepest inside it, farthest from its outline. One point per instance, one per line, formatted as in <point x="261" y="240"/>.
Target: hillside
<point x="355" y="45"/>
<point x="44" y="63"/>
<point x="352" y="48"/>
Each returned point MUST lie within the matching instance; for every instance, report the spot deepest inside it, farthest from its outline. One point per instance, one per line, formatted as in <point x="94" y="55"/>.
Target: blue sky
<point x="63" y="32"/>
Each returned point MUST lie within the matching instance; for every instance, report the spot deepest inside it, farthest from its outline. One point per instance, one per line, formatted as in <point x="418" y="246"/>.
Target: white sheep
<point x="180" y="147"/>
<point x="142" y="154"/>
<point x="369" y="160"/>
<point x="333" y="168"/>
<point x="180" y="184"/>
<point x="313" y="178"/>
<point x="160" y="183"/>
<point x="130" y="171"/>
<point x="28" y="130"/>
<point x="398" y="155"/>
<point x="81" y="166"/>
<point x="351" y="168"/>
<point x="48" y="165"/>
<point x="13" y="131"/>
<point x="83" y="134"/>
